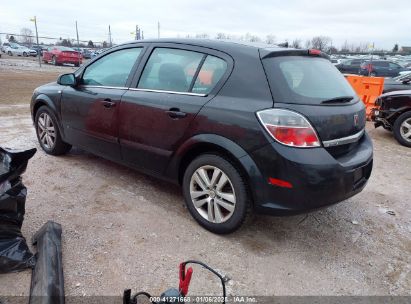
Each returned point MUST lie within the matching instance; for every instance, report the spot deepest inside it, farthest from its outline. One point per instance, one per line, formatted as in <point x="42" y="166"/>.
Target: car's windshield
<point x="65" y="49"/>
<point x="305" y="80"/>
<point x="403" y="77"/>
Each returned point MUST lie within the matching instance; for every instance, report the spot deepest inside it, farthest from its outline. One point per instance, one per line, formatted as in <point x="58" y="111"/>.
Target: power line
<point x="43" y="37"/>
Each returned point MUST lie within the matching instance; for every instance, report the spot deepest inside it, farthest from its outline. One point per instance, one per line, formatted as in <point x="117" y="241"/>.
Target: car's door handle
<point x="176" y="113"/>
<point x="108" y="103"/>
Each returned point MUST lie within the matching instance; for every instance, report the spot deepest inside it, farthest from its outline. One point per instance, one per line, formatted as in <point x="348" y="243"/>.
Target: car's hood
<point x="46" y="87"/>
<point x="391" y="81"/>
<point x="397" y="93"/>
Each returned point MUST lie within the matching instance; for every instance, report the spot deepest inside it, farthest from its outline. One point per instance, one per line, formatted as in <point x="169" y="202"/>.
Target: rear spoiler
<point x="275" y="52"/>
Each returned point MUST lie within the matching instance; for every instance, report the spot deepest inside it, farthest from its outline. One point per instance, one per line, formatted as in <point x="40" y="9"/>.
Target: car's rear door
<point x="167" y="93"/>
<point x="382" y="68"/>
<point x="354" y="66"/>
<point x="90" y="111"/>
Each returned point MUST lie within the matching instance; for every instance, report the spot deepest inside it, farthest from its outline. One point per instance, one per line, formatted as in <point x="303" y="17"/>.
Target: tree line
<point x="323" y="43"/>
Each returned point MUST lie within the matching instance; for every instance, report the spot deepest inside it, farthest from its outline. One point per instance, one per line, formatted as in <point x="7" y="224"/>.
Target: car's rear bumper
<point x="317" y="178"/>
<point x="73" y="60"/>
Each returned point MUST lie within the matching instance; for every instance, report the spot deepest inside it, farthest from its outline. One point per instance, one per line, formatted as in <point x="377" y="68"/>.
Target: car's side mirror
<point x="67" y="80"/>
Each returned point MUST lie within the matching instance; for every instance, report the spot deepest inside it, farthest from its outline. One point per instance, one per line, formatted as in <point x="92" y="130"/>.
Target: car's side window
<point x="170" y="70"/>
<point x="210" y="73"/>
<point x="382" y="64"/>
<point x="113" y="69"/>
<point x="394" y="65"/>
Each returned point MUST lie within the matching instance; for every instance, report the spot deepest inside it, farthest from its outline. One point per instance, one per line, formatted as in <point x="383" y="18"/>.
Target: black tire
<point x="9" y="53"/>
<point x="236" y="182"/>
<point x="398" y="125"/>
<point x="77" y="65"/>
<point x="58" y="147"/>
<point x="24" y="54"/>
<point x="373" y="74"/>
<point x="54" y="60"/>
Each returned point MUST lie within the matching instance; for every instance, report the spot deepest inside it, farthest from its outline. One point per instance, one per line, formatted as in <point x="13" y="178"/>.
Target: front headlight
<point x="378" y="101"/>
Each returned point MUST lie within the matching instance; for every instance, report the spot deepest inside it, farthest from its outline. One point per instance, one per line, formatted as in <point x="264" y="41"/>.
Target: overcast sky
<point x="380" y="21"/>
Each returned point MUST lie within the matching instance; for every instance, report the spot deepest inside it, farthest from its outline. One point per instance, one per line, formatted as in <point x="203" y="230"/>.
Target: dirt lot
<point x="124" y="229"/>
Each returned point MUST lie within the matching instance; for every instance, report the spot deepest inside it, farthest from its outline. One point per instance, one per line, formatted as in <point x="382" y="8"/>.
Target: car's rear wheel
<point x="54" y="60"/>
<point x="215" y="193"/>
<point x="9" y="53"/>
<point x="24" y="54"/>
<point x="402" y="129"/>
<point x="48" y="133"/>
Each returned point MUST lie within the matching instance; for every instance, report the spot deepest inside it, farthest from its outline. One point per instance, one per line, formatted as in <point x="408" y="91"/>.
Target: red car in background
<point x="58" y="55"/>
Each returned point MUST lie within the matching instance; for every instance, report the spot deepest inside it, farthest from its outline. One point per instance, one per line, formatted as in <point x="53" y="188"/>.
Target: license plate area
<point x="358" y="174"/>
<point x="361" y="175"/>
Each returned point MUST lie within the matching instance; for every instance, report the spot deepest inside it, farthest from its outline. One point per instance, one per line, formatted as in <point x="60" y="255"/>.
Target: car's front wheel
<point x="215" y="193"/>
<point x="48" y="133"/>
<point x="54" y="60"/>
<point x="402" y="129"/>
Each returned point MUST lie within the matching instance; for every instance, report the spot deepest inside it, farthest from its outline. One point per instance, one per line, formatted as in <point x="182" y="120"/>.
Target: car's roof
<point x="223" y="45"/>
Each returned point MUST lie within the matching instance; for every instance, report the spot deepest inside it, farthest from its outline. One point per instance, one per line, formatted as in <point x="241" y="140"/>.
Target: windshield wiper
<point x="338" y="99"/>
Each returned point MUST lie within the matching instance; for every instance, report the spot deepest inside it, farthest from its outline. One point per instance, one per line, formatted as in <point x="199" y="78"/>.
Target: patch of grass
<point x="16" y="87"/>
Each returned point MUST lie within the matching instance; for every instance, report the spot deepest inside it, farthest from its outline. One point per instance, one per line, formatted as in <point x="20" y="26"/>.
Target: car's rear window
<point x="305" y="80"/>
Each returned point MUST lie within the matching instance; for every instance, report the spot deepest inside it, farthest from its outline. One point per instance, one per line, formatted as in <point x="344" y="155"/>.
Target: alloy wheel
<point x="46" y="131"/>
<point x="212" y="194"/>
<point x="405" y="130"/>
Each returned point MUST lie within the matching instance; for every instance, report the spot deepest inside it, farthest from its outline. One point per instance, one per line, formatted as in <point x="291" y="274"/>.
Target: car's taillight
<point x="289" y="128"/>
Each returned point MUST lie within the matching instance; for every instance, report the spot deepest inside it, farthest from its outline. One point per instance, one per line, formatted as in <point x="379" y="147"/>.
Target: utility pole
<point x="78" y="44"/>
<point x="37" y="37"/>
<point x="372" y="53"/>
<point x="158" y="29"/>
<point x="109" y="36"/>
<point x="136" y="32"/>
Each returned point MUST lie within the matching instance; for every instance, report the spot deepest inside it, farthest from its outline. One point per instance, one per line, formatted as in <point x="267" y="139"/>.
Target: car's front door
<point x="394" y="69"/>
<point x="155" y="114"/>
<point x="90" y="109"/>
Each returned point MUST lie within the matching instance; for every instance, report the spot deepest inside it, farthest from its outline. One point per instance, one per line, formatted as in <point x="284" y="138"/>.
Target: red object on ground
<point x="185" y="278"/>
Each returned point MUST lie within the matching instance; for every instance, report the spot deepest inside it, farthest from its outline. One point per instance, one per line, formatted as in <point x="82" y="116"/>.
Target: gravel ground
<point x="122" y="229"/>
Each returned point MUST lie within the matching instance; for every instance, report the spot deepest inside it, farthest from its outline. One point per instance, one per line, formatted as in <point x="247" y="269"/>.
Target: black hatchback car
<point x="240" y="127"/>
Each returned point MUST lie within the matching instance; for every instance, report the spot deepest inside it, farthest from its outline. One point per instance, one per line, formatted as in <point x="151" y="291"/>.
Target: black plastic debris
<point x="47" y="281"/>
<point x="14" y="253"/>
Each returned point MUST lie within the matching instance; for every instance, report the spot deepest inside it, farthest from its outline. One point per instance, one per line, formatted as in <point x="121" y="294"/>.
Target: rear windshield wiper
<point x="338" y="99"/>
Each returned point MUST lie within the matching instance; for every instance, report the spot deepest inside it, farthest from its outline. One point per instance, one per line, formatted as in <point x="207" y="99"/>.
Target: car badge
<point x="356" y="119"/>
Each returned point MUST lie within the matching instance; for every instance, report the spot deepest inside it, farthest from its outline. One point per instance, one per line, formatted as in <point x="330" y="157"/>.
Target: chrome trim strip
<point x="344" y="140"/>
<point x="168" y="92"/>
<point x="103" y="87"/>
